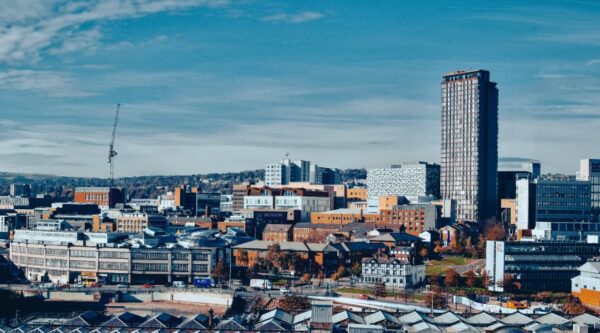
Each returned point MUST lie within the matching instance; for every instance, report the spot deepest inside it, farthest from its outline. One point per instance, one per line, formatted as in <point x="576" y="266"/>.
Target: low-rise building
<point x="415" y="219"/>
<point x="278" y="232"/>
<point x="313" y="233"/>
<point x="586" y="285"/>
<point x="393" y="272"/>
<point x="105" y="197"/>
<point x="137" y="222"/>
<point x="320" y="256"/>
<point x="77" y="257"/>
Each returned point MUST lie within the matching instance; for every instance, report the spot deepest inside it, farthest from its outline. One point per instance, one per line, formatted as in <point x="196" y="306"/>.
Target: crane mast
<point x="111" y="150"/>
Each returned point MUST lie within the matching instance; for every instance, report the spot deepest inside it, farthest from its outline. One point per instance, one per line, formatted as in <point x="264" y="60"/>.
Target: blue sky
<point x="218" y="85"/>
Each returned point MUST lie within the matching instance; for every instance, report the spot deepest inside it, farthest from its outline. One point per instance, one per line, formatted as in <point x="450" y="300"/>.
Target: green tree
<point x="356" y="269"/>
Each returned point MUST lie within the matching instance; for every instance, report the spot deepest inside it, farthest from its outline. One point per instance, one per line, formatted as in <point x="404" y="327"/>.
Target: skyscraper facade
<point x="469" y="160"/>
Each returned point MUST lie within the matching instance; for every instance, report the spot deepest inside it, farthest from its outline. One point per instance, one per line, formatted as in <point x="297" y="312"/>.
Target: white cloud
<point x="295" y="18"/>
<point x="50" y="83"/>
<point x="29" y="27"/>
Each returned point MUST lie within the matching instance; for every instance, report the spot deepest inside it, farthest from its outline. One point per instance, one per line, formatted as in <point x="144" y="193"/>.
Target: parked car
<point x="148" y="285"/>
<point x="365" y="296"/>
<point x="122" y="285"/>
<point x="240" y="289"/>
<point x="179" y="284"/>
<point x="284" y="291"/>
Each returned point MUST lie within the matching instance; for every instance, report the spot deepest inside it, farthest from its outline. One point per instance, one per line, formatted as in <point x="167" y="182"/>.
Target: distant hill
<point x="62" y="188"/>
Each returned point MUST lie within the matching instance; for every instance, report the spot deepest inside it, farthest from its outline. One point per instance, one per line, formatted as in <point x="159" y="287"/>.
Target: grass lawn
<point x="365" y="291"/>
<point x="441" y="266"/>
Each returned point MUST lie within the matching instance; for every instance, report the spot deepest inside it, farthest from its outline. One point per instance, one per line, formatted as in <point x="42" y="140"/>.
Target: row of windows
<point x="118" y="266"/>
<point x="149" y="267"/>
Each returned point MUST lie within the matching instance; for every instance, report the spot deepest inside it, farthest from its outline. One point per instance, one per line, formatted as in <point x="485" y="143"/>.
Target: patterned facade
<point x="412" y="180"/>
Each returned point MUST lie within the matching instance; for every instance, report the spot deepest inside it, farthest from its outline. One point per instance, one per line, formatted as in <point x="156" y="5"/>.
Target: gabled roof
<point x="277" y="314"/>
<point x="552" y="319"/>
<point x="413" y="317"/>
<point x="301" y="317"/>
<point x="88" y="318"/>
<point x="482" y="319"/>
<point x="119" y="330"/>
<point x="124" y="319"/>
<point x="81" y="329"/>
<point x="21" y="329"/>
<point x="396" y="237"/>
<point x="230" y="324"/>
<point x="538" y="328"/>
<point x="516" y="318"/>
<point x="448" y="318"/>
<point x="494" y="327"/>
<point x="161" y="320"/>
<point x="347" y="315"/>
<point x="41" y="329"/>
<point x="462" y="327"/>
<point x="381" y="316"/>
<point x="423" y="327"/>
<point x="270" y="325"/>
<point x="586" y="318"/>
<point x="591" y="267"/>
<point x="198" y="322"/>
<point x="60" y="329"/>
<point x="360" y="246"/>
<point x="100" y="330"/>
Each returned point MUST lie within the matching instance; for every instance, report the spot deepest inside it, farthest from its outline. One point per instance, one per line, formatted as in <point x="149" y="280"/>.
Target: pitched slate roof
<point x="270" y="325"/>
<point x="413" y="317"/>
<point x="124" y="319"/>
<point x="230" y="324"/>
<point x="423" y="327"/>
<point x="462" y="327"/>
<point x="380" y="316"/>
<point x="552" y="319"/>
<point x="277" y="314"/>
<point x="516" y="318"/>
<point x="161" y="320"/>
<point x="347" y="315"/>
<point x="448" y="318"/>
<point x="303" y="316"/>
<point x="198" y="322"/>
<point x="586" y="318"/>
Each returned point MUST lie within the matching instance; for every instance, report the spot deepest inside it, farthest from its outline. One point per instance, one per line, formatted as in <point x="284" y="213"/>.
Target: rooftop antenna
<point x="112" y="153"/>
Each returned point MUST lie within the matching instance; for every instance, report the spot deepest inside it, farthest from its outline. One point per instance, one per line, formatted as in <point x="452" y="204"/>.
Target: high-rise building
<point x="470" y="144"/>
<point x="590" y="171"/>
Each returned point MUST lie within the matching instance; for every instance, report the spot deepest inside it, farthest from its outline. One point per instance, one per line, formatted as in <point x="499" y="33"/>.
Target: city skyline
<point x="211" y="86"/>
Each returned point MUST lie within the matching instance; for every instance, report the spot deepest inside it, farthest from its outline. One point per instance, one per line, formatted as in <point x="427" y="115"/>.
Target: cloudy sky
<point x="217" y="85"/>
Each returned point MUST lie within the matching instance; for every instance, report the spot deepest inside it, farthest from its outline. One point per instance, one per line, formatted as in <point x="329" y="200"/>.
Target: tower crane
<point x="112" y="153"/>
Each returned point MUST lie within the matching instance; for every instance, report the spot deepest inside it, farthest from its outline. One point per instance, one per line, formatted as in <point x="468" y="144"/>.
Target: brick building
<point x="278" y="232"/>
<point x="101" y="196"/>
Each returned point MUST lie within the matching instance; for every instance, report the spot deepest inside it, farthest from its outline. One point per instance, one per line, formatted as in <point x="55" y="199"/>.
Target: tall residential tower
<point x="469" y="160"/>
